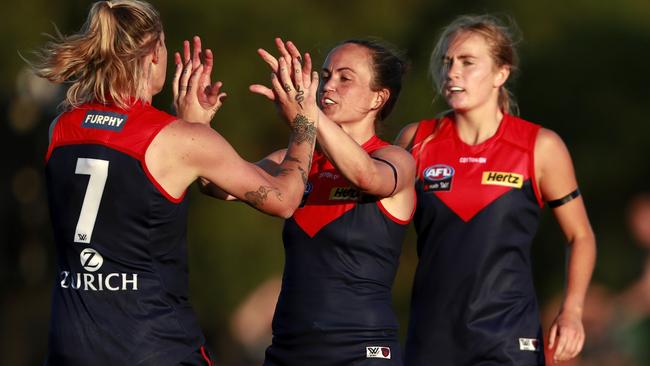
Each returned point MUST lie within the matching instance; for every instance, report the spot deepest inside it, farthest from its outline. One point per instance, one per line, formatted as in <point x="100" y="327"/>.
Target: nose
<point x="452" y="69"/>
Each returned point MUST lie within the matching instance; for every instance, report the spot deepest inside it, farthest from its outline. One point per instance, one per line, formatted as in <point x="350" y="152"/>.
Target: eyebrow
<point x="461" y="57"/>
<point x="341" y="69"/>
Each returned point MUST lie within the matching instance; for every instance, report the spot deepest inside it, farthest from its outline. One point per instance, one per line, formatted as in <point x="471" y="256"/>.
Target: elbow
<point x="287" y="213"/>
<point x="289" y="206"/>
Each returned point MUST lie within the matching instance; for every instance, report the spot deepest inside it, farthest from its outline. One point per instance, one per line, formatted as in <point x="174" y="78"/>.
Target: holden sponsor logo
<point x="91" y="261"/>
<point x="344" y="194"/>
<point x="378" y="352"/>
<point x="506" y="179"/>
<point x="529" y="344"/>
<point x="438" y="177"/>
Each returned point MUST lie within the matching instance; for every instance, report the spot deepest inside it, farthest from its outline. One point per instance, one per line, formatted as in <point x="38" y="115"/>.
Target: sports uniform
<point x="342" y="250"/>
<point x="121" y="294"/>
<point x="478" y="207"/>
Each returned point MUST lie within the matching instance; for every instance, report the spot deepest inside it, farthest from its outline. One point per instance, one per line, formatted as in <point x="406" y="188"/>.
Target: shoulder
<point x="397" y="156"/>
<point x="521" y="132"/>
<point x="548" y="141"/>
<point x="406" y="135"/>
<point x="187" y="133"/>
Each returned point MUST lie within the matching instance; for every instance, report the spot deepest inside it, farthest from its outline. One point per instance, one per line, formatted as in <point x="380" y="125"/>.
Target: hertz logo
<point x="503" y="179"/>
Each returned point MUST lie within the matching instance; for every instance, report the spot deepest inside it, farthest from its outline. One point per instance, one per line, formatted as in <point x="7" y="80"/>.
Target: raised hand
<point x="296" y="97"/>
<point x="287" y="51"/>
<point x="195" y="98"/>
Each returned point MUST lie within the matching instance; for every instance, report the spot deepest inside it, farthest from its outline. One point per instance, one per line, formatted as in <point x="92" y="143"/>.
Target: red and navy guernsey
<point x="473" y="300"/>
<point x="342" y="250"/>
<point x="121" y="292"/>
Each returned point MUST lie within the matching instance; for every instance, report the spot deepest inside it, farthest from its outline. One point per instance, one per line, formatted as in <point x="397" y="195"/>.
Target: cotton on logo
<point x="91" y="260"/>
<point x="378" y="352"/>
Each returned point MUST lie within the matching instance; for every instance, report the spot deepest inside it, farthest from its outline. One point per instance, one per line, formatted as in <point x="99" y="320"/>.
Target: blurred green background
<point x="584" y="73"/>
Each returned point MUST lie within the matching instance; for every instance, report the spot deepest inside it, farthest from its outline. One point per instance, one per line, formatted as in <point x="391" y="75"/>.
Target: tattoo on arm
<point x="300" y="96"/>
<point x="291" y="158"/>
<point x="303" y="130"/>
<point x="281" y="171"/>
<point x="257" y="198"/>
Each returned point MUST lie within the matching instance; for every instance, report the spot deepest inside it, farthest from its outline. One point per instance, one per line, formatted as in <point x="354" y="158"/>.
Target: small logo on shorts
<point x="529" y="344"/>
<point x="378" y="352"/>
<point x="438" y="177"/>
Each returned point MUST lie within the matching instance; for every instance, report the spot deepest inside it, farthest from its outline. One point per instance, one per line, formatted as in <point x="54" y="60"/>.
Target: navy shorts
<point x="336" y="348"/>
<point x="200" y="357"/>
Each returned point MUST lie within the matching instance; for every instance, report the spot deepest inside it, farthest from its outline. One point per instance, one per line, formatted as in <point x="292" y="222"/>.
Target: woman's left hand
<point x="294" y="87"/>
<point x="287" y="51"/>
<point x="567" y="336"/>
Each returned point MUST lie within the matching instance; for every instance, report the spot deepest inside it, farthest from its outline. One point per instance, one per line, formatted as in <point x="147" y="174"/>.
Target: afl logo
<point x="438" y="177"/>
<point x="438" y="172"/>
<point x="91" y="260"/>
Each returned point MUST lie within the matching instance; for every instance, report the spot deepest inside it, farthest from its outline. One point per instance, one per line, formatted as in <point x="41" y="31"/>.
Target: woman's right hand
<point x="294" y="85"/>
<point x="195" y="98"/>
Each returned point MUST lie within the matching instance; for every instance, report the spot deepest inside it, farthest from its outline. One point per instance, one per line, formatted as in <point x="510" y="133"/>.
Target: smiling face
<point x="471" y="77"/>
<point x="345" y="91"/>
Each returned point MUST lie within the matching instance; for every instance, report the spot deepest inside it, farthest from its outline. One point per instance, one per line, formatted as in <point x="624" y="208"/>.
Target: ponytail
<point x="103" y="61"/>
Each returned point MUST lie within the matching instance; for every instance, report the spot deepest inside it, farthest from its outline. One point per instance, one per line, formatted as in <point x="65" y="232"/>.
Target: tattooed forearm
<point x="303" y="130"/>
<point x="300" y="96"/>
<point x="257" y="198"/>
<point x="291" y="158"/>
<point x="281" y="171"/>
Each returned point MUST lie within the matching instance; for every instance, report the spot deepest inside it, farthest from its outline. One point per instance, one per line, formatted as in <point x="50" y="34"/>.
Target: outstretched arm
<point x="556" y="180"/>
<point x="270" y="164"/>
<point x="184" y="151"/>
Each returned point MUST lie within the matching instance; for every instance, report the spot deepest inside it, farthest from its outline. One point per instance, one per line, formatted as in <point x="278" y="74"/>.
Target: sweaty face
<point x="345" y="94"/>
<point x="472" y="79"/>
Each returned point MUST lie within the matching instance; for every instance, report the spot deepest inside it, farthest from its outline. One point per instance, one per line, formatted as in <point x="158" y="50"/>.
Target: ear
<point x="381" y="97"/>
<point x="501" y="76"/>
<point x="155" y="55"/>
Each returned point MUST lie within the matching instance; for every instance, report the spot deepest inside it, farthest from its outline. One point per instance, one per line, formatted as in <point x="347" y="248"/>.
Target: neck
<point x="360" y="131"/>
<point x="477" y="125"/>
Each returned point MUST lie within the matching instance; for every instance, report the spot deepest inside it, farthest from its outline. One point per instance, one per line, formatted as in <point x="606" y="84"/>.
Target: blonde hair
<point x="103" y="61"/>
<point x="501" y="41"/>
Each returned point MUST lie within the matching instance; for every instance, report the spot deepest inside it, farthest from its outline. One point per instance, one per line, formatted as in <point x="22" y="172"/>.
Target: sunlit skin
<point x="471" y="80"/>
<point x="345" y="93"/>
<point x="471" y="86"/>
